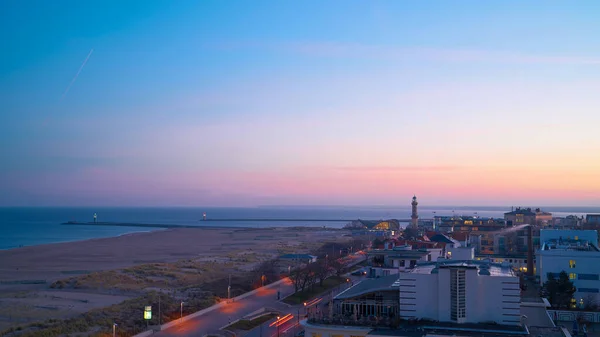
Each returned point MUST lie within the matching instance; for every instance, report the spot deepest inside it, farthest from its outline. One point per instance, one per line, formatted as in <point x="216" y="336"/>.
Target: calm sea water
<point x="35" y="226"/>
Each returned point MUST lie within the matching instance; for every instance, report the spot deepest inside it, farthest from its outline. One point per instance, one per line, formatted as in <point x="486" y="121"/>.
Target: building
<point x="517" y="262"/>
<point x="527" y="216"/>
<point x="453" y="291"/>
<point x="592" y="218"/>
<point x="414" y="217"/>
<point x="383" y="225"/>
<point x="468" y="224"/>
<point x="288" y="262"/>
<point x="568" y="222"/>
<point x="447" y="298"/>
<point x="576" y="253"/>
<point x="385" y="262"/>
<point x="510" y="241"/>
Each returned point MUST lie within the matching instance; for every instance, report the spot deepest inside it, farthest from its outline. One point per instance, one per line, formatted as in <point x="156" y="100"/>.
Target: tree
<point x="321" y="270"/>
<point x="559" y="292"/>
<point x="338" y="266"/>
<point x="297" y="277"/>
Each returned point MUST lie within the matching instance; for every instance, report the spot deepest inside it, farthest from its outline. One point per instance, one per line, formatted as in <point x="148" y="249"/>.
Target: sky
<point x="246" y="103"/>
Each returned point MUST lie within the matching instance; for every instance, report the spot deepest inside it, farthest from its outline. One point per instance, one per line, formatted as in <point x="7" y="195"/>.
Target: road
<point x="266" y="297"/>
<point x="214" y="320"/>
<point x="290" y="327"/>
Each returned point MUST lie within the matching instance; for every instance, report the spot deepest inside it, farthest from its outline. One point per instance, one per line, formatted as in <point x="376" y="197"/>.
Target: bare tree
<point x="321" y="269"/>
<point x="297" y="277"/>
<point x="338" y="266"/>
<point x="265" y="273"/>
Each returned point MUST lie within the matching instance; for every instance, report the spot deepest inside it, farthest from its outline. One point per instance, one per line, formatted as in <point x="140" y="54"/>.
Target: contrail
<point x="77" y="75"/>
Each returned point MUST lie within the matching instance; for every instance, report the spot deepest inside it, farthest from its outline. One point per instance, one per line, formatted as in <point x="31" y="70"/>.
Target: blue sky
<point x="243" y="103"/>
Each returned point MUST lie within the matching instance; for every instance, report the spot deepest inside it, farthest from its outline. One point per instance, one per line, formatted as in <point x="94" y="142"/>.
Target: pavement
<point x="216" y="319"/>
<point x="265" y="297"/>
<point x="291" y="327"/>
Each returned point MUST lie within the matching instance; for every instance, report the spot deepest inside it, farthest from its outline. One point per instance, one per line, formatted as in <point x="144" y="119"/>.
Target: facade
<point x="414" y="217"/>
<point x="507" y="242"/>
<point x="461" y="292"/>
<point x="518" y="263"/>
<point x="568" y="222"/>
<point x="468" y="224"/>
<point x="575" y="252"/>
<point x="291" y="261"/>
<point x="592" y="218"/>
<point x="527" y="216"/>
<point x="401" y="258"/>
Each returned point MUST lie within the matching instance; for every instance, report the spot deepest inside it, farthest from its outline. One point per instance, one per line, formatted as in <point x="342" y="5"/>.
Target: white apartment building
<point x="575" y="252"/>
<point x="461" y="292"/>
<point x="444" y="298"/>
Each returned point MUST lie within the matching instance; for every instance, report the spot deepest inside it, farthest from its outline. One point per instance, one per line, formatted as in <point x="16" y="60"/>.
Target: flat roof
<point x="569" y="245"/>
<point x="494" y="268"/>
<point x="385" y="283"/>
<point x="420" y="328"/>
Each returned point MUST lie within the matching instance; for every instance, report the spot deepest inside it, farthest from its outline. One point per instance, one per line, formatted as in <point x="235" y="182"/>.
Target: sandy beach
<point x="26" y="274"/>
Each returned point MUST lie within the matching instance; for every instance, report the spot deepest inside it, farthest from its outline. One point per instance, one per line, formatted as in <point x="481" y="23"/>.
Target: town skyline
<point x="210" y="104"/>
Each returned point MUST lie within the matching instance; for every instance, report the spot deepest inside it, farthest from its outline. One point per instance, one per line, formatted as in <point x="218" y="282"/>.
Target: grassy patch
<point x="245" y="324"/>
<point x="303" y="296"/>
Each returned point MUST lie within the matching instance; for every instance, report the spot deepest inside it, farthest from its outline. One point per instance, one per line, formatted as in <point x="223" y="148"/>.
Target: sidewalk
<point x="224" y="313"/>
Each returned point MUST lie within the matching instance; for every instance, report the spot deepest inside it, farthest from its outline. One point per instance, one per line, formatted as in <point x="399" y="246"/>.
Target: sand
<point x="26" y="302"/>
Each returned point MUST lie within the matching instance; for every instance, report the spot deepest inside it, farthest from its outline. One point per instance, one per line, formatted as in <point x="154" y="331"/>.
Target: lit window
<point x="576" y="238"/>
<point x="572" y="276"/>
<point x="571" y="263"/>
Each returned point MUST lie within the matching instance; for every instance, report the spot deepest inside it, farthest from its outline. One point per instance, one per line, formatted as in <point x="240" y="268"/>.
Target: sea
<point x="20" y="226"/>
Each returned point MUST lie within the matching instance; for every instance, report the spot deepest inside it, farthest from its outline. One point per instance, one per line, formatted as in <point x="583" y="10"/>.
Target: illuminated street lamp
<point x="278" y="327"/>
<point x="114" y="329"/>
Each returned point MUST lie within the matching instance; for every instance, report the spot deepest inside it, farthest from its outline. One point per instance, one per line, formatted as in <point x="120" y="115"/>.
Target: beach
<point x="28" y="290"/>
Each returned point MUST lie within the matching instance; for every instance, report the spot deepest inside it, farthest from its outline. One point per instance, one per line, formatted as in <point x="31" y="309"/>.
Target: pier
<point x="214" y="223"/>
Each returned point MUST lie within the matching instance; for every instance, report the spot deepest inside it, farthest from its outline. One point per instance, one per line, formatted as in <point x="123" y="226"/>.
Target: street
<point x="266" y="297"/>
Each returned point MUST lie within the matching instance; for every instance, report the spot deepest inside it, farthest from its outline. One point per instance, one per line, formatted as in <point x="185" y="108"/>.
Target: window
<point x="572" y="276"/>
<point x="457" y="295"/>
<point x="571" y="263"/>
<point x="592" y="277"/>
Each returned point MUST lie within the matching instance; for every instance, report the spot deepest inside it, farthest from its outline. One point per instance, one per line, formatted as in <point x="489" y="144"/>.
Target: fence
<point x="570" y="316"/>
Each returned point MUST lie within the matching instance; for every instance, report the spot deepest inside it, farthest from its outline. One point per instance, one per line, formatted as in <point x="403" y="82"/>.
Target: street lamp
<point x="278" y="327"/>
<point x="181" y="310"/>
<point x="114" y="329"/>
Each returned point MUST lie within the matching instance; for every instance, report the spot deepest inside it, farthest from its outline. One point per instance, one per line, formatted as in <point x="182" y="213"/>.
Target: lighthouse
<point x="414" y="217"/>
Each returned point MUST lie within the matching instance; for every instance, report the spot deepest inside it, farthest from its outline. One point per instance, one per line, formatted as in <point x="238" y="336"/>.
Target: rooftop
<point x="569" y="245"/>
<point x="484" y="267"/>
<point x="419" y="329"/>
<point x="386" y="283"/>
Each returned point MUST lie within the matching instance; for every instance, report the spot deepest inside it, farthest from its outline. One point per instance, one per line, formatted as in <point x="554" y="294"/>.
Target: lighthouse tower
<point x="414" y="218"/>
